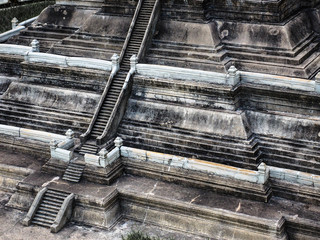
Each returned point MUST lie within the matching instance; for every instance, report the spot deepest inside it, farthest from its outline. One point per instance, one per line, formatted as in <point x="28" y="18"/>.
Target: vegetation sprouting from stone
<point x="138" y="235"/>
<point x="21" y="11"/>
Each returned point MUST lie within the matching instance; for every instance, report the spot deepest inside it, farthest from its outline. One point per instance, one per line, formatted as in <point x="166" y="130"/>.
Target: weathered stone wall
<point x="265" y="124"/>
<point x="265" y="11"/>
<point x="274" y="41"/>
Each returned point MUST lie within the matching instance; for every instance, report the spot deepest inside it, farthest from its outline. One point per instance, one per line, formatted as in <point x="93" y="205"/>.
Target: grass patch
<point x="138" y="235"/>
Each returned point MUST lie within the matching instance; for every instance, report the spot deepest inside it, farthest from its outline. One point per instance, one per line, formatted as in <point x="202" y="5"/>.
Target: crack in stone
<point x="192" y="200"/>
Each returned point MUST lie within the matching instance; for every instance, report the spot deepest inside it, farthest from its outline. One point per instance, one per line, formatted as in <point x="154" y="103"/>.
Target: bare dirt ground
<point x="12" y="229"/>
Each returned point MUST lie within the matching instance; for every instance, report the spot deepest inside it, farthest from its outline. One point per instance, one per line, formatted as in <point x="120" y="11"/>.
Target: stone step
<point x="73" y="171"/>
<point x="43" y="34"/>
<point x="47" y="210"/>
<point x="43" y="220"/>
<point x="34" y="117"/>
<point x="52" y="199"/>
<point x="91" y="150"/>
<point x="57" y="193"/>
<point x="51" y="203"/>
<point x="155" y="146"/>
<point x="71" y="179"/>
<point x="186" y="53"/>
<point x="201" y="64"/>
<point x="158" y="44"/>
<point x="52" y="195"/>
<point x="83" y="152"/>
<point x="49" y="206"/>
<point x="31" y="107"/>
<point x="214" y="154"/>
<point x="75" y="167"/>
<point x="73" y="51"/>
<point x="44" y="216"/>
<point x="60" y="29"/>
<point x="40" y="223"/>
<point x="98" y="130"/>
<point x="208" y="146"/>
<point x="47" y="213"/>
<point x="101" y="44"/>
<point x="105" y="114"/>
<point x="36" y="124"/>
<point x="71" y="176"/>
<point x="193" y="135"/>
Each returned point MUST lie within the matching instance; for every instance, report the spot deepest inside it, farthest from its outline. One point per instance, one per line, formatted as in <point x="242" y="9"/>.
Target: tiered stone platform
<point x="208" y="148"/>
<point x="180" y="208"/>
<point x="270" y="37"/>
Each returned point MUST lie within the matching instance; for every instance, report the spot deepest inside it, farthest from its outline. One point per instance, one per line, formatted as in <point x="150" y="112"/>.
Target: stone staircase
<point x="133" y="47"/>
<point x="49" y="208"/>
<point x="73" y="172"/>
<point x="91" y="147"/>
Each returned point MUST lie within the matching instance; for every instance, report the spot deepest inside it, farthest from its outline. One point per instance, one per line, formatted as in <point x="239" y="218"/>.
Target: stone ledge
<point x="258" y="192"/>
<point x="206" y="222"/>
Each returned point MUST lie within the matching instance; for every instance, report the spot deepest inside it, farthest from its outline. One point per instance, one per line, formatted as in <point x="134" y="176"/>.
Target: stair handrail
<point x="64" y="214"/>
<point x="116" y="111"/>
<point x="133" y="23"/>
<point x="150" y="29"/>
<point x="85" y="136"/>
<point x="34" y="207"/>
<point x="115" y="69"/>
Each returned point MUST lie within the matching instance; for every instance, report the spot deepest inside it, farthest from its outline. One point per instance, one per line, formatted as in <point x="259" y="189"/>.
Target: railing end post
<point x="118" y="142"/>
<point x="14" y="22"/>
<point x="233" y="76"/>
<point x="115" y="62"/>
<point x="35" y="45"/>
<point x="133" y="62"/>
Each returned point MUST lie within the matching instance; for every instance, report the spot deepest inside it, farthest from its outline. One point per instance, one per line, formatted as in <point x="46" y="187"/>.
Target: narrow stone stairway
<point x="49" y="207"/>
<point x="133" y="47"/>
<point x="73" y="172"/>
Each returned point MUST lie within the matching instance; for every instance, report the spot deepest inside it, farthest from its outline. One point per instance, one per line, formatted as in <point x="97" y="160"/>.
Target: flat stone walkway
<point x="10" y="157"/>
<point x="273" y="210"/>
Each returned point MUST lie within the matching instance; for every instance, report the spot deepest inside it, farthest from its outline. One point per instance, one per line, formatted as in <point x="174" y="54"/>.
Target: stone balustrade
<point x="232" y="78"/>
<point x="161" y="71"/>
<point x="105" y="158"/>
<point x="295" y="177"/>
<point x="279" y="81"/>
<point x="30" y="134"/>
<point x="60" y="149"/>
<point x="8" y="34"/>
<point x="32" y="55"/>
<point x="259" y="177"/>
<point x="59" y="144"/>
<point x="2" y="2"/>
<point x="15" y="29"/>
<point x="65" y="61"/>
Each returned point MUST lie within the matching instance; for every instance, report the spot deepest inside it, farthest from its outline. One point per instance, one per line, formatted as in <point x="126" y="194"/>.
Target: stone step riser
<point x="73" y="172"/>
<point x="177" y="143"/>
